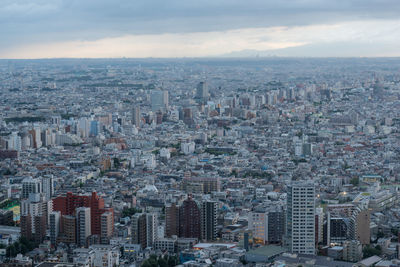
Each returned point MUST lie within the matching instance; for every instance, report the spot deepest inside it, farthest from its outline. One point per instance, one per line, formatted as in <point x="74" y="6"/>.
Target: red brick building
<point x="67" y="205"/>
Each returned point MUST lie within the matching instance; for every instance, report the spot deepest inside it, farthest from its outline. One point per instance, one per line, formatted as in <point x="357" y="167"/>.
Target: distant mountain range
<point x="339" y="49"/>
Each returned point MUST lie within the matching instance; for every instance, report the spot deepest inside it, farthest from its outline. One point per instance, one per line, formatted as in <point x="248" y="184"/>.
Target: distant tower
<point x="159" y="100"/>
<point x="300" y="222"/>
<point x="202" y="92"/>
<point x="136" y="116"/>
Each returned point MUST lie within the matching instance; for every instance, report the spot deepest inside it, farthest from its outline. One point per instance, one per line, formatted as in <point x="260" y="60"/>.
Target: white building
<point x="165" y="153"/>
<point x="188" y="148"/>
<point x="300" y="221"/>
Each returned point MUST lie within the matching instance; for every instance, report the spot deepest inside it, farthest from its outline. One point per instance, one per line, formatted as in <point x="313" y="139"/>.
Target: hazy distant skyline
<point x="172" y="28"/>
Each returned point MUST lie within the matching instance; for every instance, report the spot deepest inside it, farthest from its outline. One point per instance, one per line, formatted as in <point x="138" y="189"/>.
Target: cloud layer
<point x="177" y="28"/>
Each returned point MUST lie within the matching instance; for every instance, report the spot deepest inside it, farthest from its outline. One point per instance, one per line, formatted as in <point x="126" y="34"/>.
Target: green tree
<point x="369" y="251"/>
<point x="380" y="235"/>
<point x="355" y="181"/>
<point x="162" y="262"/>
<point x="117" y="163"/>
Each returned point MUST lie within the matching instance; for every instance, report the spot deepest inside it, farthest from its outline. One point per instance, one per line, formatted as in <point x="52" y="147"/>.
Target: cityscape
<point x="200" y="162"/>
<point x="199" y="133"/>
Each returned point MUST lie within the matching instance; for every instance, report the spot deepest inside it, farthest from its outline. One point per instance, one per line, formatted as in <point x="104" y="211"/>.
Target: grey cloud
<point x="23" y="21"/>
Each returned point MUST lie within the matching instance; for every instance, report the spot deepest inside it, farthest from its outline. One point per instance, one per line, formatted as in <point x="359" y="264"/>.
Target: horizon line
<point x="209" y="57"/>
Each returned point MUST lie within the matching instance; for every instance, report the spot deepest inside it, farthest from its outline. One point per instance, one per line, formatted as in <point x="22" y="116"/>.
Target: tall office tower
<point x="172" y="220"/>
<point x="82" y="226"/>
<point x="190" y="219"/>
<point x="360" y="226"/>
<point x="30" y="185"/>
<point x="136" y="116"/>
<point x="202" y="92"/>
<point x="300" y="221"/>
<point x="166" y="99"/>
<point x="54" y="226"/>
<point x="48" y="186"/>
<point x="151" y="228"/>
<point x="209" y="220"/>
<point x="107" y="227"/>
<point x="139" y="229"/>
<point x="159" y="100"/>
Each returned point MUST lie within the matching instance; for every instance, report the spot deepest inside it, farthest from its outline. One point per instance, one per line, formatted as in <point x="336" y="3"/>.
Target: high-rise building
<point x="319" y="225"/>
<point x="190" y="219"/>
<point x="83" y="127"/>
<point x="258" y="224"/>
<point x="144" y="229"/>
<point x="172" y="220"/>
<point x="94" y="128"/>
<point x="48" y="186"/>
<point x="26" y="226"/>
<point x="69" y="203"/>
<point x="54" y="218"/>
<point x="30" y="185"/>
<point x="151" y="228"/>
<point x="139" y="228"/>
<point x="360" y="226"/>
<point x="136" y="116"/>
<point x="300" y="220"/>
<point x="209" y="220"/>
<point x="68" y="233"/>
<point x="338" y="229"/>
<point x="159" y="100"/>
<point x="276" y="223"/>
<point x="34" y="218"/>
<point x="202" y="92"/>
<point x="83" y="230"/>
<point x="107" y="227"/>
<point x="36" y="141"/>
<point x="14" y="142"/>
<point x="267" y="226"/>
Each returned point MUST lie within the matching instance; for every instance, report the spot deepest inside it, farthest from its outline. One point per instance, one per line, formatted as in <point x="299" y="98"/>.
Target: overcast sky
<point x="198" y="28"/>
